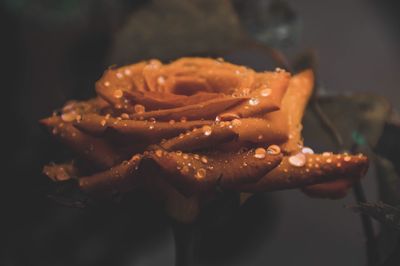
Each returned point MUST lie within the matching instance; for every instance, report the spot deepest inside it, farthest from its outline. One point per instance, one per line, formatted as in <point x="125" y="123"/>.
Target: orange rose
<point x="183" y="130"/>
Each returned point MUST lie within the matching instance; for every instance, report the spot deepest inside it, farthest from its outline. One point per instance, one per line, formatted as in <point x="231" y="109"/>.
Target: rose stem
<point x="185" y="243"/>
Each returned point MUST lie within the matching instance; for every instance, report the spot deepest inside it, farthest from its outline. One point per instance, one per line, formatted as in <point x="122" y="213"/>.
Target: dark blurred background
<point x="53" y="51"/>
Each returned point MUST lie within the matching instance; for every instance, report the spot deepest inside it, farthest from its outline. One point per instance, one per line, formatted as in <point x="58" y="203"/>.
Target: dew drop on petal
<point x="254" y="101"/>
<point x="179" y="153"/>
<point x="139" y="108"/>
<point x="204" y="159"/>
<point x="326" y="154"/>
<point x="68" y="117"/>
<point x="201" y="173"/>
<point x="158" y="153"/>
<point x="183" y="119"/>
<point x="274" y="150"/>
<point x="307" y="150"/>
<point x="185" y="169"/>
<point x="266" y="92"/>
<point x="347" y="158"/>
<point x="118" y="94"/>
<point x="124" y="116"/>
<point x="207" y="130"/>
<point x="119" y="75"/>
<point x="171" y="122"/>
<point x="297" y="160"/>
<point x="260" y="153"/>
<point x="236" y="122"/>
<point x="127" y="72"/>
<point x="151" y="127"/>
<point x="103" y="122"/>
<point x="228" y="116"/>
<point x="161" y="80"/>
<point x="107" y="84"/>
<point x="185" y="156"/>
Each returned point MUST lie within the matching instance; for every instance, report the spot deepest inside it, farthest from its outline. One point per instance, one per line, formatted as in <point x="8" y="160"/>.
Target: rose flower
<point x="185" y="130"/>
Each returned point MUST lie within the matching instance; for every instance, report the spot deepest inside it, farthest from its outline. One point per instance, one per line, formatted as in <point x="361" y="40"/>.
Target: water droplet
<point x="196" y="156"/>
<point x="274" y="150"/>
<point x="347" y="158"/>
<point x="136" y="158"/>
<point x="171" y="122"/>
<point x="338" y="164"/>
<point x="326" y="154"/>
<point x="139" y="108"/>
<point x="260" y="137"/>
<point x="69" y="117"/>
<point x="107" y="84"/>
<point x="124" y="116"/>
<point x="119" y="75"/>
<point x="152" y="120"/>
<point x="161" y="80"/>
<point x="127" y="72"/>
<point x="159" y="153"/>
<point x="236" y="122"/>
<point x="204" y="159"/>
<point x="103" y="122"/>
<point x="307" y="150"/>
<point x="185" y="156"/>
<point x="297" y="160"/>
<point x="201" y="173"/>
<point x="254" y="101"/>
<point x="228" y="116"/>
<point x="266" y="92"/>
<point x="179" y="153"/>
<point x="151" y="127"/>
<point x="185" y="169"/>
<point x="260" y="153"/>
<point x="118" y="94"/>
<point x="183" y="119"/>
<point x="207" y="130"/>
<point x="329" y="160"/>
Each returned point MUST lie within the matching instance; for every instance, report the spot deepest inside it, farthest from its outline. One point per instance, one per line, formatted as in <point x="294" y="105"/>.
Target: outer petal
<point x="317" y="169"/>
<point x="97" y="151"/>
<point x="334" y="189"/>
<point x="206" y="110"/>
<point x="248" y="130"/>
<point x="120" y="178"/>
<point x="198" y="172"/>
<point x="135" y="130"/>
<point x="288" y="118"/>
<point x="266" y="95"/>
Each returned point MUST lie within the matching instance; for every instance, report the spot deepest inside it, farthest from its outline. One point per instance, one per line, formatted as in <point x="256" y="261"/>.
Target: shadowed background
<point x="55" y="52"/>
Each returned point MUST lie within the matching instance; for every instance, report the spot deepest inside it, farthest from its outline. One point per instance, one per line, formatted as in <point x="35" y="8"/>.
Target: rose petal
<point x="164" y="100"/>
<point x="199" y="172"/>
<point x="133" y="130"/>
<point x="97" y="151"/>
<point x="124" y="79"/>
<point x="248" y="130"/>
<point x="273" y="85"/>
<point x="206" y="110"/>
<point x="333" y="190"/>
<point x="289" y="117"/>
<point x="317" y="169"/>
<point x="61" y="172"/>
<point x="121" y="178"/>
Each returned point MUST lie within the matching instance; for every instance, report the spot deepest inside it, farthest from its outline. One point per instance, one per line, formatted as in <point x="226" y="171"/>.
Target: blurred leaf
<point x="384" y="213"/>
<point x="270" y="22"/>
<point x="389" y="142"/>
<point x="175" y="28"/>
<point x="388" y="181"/>
<point x="358" y="117"/>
